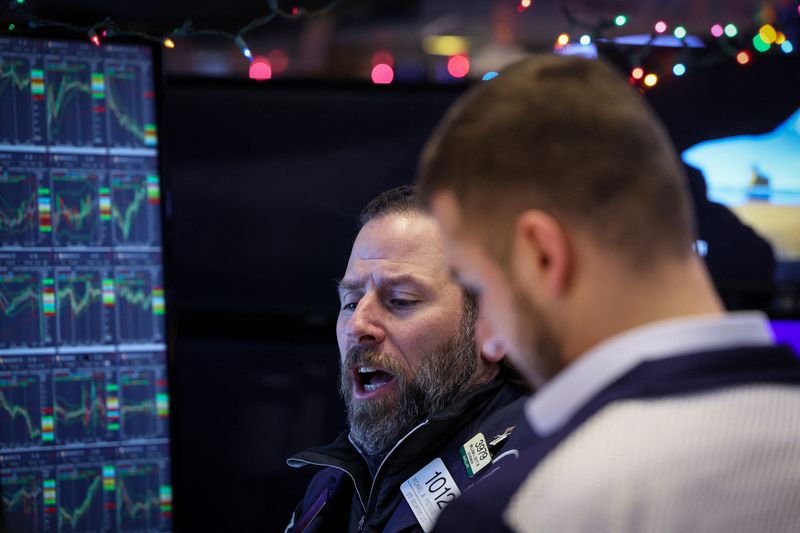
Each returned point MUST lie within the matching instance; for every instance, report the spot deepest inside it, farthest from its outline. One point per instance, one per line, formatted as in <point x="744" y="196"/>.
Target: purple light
<point x="787" y="332"/>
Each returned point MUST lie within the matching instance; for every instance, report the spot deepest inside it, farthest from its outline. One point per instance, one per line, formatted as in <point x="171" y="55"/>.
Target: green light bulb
<point x="759" y="44"/>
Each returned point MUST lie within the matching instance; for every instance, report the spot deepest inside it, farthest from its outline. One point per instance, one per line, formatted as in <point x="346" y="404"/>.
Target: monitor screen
<point x="758" y="176"/>
<point x="737" y="129"/>
<point x="84" y="408"/>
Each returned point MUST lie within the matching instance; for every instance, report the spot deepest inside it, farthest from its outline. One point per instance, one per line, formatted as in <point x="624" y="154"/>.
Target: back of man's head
<point x="569" y="137"/>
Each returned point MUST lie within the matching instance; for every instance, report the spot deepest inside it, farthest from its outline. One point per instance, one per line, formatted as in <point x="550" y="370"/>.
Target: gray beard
<point x="444" y="376"/>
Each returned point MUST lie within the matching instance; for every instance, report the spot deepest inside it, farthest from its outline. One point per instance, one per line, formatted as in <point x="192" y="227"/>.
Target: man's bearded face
<point x="445" y="374"/>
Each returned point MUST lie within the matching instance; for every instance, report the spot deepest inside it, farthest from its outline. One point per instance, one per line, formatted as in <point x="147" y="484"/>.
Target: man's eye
<point x="349" y="306"/>
<point x="403" y="303"/>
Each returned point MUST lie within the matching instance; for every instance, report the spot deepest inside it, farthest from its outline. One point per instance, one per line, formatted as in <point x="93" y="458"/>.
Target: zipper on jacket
<point x="367" y="509"/>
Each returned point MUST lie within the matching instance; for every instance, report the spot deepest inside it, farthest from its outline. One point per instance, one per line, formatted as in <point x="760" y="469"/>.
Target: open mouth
<point x="368" y="380"/>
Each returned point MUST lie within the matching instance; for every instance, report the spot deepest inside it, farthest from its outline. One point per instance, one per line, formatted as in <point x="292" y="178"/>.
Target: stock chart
<point x="23" y="500"/>
<point x="21" y="95"/>
<point x="76" y="208"/>
<point x="19" y="207"/>
<point x="82" y="315"/>
<point x="24" y="411"/>
<point x="84" y="401"/>
<point x="26" y="302"/>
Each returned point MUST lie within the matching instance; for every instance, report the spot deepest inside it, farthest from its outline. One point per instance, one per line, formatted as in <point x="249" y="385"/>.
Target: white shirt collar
<point x="561" y="397"/>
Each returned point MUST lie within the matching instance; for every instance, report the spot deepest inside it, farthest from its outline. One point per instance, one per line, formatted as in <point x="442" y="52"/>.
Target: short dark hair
<point x="568" y="136"/>
<point x="402" y="200"/>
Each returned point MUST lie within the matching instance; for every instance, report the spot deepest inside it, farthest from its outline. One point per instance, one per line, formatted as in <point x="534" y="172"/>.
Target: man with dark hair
<point x="430" y="405"/>
<point x="564" y="207"/>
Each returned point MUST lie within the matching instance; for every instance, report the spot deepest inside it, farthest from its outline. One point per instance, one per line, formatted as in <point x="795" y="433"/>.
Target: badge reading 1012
<point x="429" y="491"/>
<point x="475" y="454"/>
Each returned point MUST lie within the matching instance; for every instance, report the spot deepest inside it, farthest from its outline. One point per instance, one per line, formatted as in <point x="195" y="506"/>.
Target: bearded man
<point x="431" y="406"/>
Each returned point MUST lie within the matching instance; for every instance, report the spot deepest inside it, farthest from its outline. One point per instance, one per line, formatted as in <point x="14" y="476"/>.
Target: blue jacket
<point x="343" y="496"/>
<point x="481" y="509"/>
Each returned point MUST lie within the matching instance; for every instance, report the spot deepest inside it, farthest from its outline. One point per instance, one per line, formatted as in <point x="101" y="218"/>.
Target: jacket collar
<point x="428" y="435"/>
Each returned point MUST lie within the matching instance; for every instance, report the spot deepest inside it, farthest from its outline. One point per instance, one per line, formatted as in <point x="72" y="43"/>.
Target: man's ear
<point x="542" y="256"/>
<point x="493" y="350"/>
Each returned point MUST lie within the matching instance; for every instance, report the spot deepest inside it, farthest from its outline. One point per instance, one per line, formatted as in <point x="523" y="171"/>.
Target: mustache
<point x="366" y="356"/>
<point x="442" y="374"/>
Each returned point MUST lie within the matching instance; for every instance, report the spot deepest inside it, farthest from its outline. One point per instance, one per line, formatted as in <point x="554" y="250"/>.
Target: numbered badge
<point x="429" y="491"/>
<point x="475" y="454"/>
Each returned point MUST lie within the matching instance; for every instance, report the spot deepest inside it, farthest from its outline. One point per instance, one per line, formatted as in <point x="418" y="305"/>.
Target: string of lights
<point x="107" y="28"/>
<point x="667" y="50"/>
<point x="722" y="43"/>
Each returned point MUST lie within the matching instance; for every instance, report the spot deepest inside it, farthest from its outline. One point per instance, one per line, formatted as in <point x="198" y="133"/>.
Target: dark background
<point x="266" y="181"/>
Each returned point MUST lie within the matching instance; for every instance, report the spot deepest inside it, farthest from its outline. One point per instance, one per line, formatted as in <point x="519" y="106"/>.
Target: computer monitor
<point x="84" y="406"/>
<point x="758" y="177"/>
<point x="736" y="128"/>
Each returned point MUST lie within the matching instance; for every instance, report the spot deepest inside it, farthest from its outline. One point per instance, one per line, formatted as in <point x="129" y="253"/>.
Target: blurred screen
<point x="758" y="177"/>
<point x="84" y="410"/>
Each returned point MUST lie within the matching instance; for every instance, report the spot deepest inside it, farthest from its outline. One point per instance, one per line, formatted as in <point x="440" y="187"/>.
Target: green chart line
<point x="75" y="516"/>
<point x="8" y="74"/>
<point x="128" y="502"/>
<point x="125" y="220"/>
<point x="146" y="406"/>
<point x="20" y="496"/>
<point x="16" y="303"/>
<point x="59" y="97"/>
<point x="89" y="411"/>
<point x="13" y="219"/>
<point x="78" y="304"/>
<point x="125" y="120"/>
<point x="75" y="216"/>
<point x="15" y="411"/>
<point x="134" y="297"/>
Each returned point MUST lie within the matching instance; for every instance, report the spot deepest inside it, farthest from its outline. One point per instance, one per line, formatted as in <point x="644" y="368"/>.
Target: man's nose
<point x="364" y="326"/>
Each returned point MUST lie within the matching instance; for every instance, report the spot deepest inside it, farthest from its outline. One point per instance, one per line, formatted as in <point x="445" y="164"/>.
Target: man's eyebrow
<point x="346" y="285"/>
<point x="404" y="279"/>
